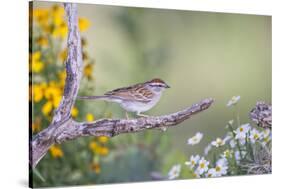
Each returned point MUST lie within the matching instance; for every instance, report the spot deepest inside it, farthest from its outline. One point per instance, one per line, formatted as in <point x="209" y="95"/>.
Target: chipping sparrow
<point x="136" y="98"/>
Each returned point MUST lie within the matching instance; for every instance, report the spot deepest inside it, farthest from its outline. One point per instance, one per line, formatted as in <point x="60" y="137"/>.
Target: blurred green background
<point x="199" y="54"/>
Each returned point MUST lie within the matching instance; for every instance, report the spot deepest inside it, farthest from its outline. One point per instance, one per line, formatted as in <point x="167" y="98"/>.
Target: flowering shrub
<point x="47" y="78"/>
<point x="236" y="152"/>
<point x="47" y="56"/>
<point x="244" y="149"/>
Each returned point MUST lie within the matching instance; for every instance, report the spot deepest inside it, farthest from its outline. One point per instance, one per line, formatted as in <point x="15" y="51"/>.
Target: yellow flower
<point x="41" y="15"/>
<point x="90" y="117"/>
<point x="63" y="55"/>
<point x="56" y="151"/>
<point x="42" y="41"/>
<point x="103" y="151"/>
<point x="57" y="14"/>
<point x="47" y="108"/>
<point x="60" y="30"/>
<point x="56" y="101"/>
<point x="96" y="148"/>
<point x="93" y="146"/>
<point x="95" y="167"/>
<point x="103" y="139"/>
<point x="83" y="24"/>
<point x="88" y="70"/>
<point x="62" y="77"/>
<point x="37" y="92"/>
<point x="74" y="112"/>
<point x="36" y="65"/>
<point x="52" y="91"/>
<point x="36" y="55"/>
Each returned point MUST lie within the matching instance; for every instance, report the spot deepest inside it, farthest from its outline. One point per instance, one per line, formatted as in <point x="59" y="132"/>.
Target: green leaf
<point x="38" y="174"/>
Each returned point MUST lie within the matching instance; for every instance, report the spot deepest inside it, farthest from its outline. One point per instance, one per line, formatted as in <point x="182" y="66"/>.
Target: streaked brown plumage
<point x="136" y="98"/>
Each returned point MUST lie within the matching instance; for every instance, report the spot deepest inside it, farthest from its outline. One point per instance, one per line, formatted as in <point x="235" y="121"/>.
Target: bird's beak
<point x="167" y="86"/>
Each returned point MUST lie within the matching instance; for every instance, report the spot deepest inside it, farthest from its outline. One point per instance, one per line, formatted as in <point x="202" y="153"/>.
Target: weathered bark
<point x="41" y="143"/>
<point x="112" y="127"/>
<point x="64" y="128"/>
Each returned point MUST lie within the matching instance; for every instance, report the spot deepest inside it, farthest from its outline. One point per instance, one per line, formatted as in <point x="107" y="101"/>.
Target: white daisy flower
<point x="233" y="101"/>
<point x="207" y="149"/>
<point x="196" y="174"/>
<point x="266" y="140"/>
<point x="242" y="131"/>
<point x="202" y="166"/>
<point x="266" y="133"/>
<point x="222" y="161"/>
<point x="266" y="136"/>
<point x="255" y="135"/>
<point x="219" y="170"/>
<point x="193" y="161"/>
<point x="218" y="142"/>
<point x="221" y="167"/>
<point x="195" y="139"/>
<point x="174" y="172"/>
<point x="211" y="173"/>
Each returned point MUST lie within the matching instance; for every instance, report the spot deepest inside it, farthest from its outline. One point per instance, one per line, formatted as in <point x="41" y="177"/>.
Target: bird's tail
<point x="92" y="97"/>
<point x="104" y="97"/>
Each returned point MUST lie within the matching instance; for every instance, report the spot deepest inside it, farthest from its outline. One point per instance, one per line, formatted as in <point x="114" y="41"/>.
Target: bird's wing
<point x="132" y="93"/>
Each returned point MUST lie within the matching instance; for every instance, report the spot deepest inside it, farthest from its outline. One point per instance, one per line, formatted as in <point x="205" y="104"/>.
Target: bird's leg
<point x="127" y="116"/>
<point x="142" y="115"/>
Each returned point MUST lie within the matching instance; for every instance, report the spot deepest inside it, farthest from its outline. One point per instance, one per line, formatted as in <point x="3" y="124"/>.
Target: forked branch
<point x="43" y="140"/>
<point x="64" y="128"/>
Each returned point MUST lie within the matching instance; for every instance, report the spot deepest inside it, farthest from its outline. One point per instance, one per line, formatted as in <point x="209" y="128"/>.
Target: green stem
<point x="237" y="115"/>
<point x="237" y="141"/>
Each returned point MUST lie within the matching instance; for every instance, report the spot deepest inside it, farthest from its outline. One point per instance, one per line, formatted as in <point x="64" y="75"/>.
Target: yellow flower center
<point x="227" y="153"/>
<point x="218" y="168"/>
<point x="194" y="139"/>
<point x="256" y="136"/>
<point x="202" y="165"/>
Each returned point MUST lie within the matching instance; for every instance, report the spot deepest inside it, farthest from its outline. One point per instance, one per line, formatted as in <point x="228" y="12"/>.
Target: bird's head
<point x="157" y="85"/>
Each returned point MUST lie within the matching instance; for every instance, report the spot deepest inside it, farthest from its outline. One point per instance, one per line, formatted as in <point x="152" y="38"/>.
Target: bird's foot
<point x="127" y="116"/>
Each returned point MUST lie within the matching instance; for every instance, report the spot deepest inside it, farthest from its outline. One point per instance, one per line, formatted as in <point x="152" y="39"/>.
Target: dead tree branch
<point x="42" y="142"/>
<point x="64" y="128"/>
<point x="113" y="127"/>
